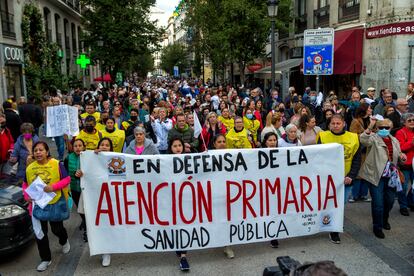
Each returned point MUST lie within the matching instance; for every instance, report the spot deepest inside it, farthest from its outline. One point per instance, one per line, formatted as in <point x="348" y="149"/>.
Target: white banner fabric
<point x="60" y="120"/>
<point x="193" y="201"/>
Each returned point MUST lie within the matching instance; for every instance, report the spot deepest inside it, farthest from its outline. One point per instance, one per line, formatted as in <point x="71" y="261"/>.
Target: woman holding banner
<point x="176" y="146"/>
<point x="54" y="175"/>
<point x="270" y="140"/>
<point x="104" y="145"/>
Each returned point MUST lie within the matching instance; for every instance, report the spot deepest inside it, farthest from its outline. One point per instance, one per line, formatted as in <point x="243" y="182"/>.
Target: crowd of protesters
<point x="160" y="116"/>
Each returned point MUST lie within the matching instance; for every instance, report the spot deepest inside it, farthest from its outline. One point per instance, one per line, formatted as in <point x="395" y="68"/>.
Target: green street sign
<point x="83" y="61"/>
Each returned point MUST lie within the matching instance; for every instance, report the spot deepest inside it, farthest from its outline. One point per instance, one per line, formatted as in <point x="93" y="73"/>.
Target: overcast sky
<point x="167" y="5"/>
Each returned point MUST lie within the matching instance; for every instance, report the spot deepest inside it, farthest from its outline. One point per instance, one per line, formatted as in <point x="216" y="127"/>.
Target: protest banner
<point x="61" y="119"/>
<point x="192" y="201"/>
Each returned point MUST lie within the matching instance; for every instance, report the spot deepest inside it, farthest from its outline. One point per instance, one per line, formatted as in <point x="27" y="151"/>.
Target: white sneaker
<point x="43" y="266"/>
<point x="66" y="247"/>
<point x="229" y="252"/>
<point x="106" y="260"/>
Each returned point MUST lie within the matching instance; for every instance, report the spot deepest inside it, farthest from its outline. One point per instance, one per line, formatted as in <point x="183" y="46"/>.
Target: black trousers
<point x="43" y="245"/>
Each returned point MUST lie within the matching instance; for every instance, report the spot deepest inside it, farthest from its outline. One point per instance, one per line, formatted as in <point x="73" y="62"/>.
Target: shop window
<point x="7" y="19"/>
<point x="13" y="81"/>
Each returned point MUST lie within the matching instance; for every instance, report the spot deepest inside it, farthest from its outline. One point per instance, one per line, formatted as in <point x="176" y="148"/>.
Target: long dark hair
<point x="45" y="145"/>
<point x="172" y="142"/>
<point x="267" y="136"/>
<point x="111" y="145"/>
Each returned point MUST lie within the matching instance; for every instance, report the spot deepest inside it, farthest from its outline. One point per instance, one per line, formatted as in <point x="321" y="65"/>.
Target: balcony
<point x="7" y="24"/>
<point x="348" y="10"/>
<point x="73" y="4"/>
<point x="321" y="17"/>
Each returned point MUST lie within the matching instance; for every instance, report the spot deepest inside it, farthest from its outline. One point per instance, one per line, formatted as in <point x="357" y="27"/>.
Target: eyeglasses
<point x="117" y="104"/>
<point x="410" y="121"/>
<point x="384" y="127"/>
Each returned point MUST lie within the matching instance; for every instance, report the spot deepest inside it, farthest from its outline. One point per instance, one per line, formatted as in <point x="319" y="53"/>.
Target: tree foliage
<point x="124" y="28"/>
<point x="174" y="55"/>
<point x="42" y="64"/>
<point x="234" y="31"/>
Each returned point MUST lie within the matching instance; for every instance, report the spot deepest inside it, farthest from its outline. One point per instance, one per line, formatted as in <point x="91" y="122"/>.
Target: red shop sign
<point x="402" y="28"/>
<point x="254" y="67"/>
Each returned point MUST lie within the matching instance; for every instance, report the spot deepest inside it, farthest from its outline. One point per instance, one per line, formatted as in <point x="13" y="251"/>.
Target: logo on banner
<point x="116" y="166"/>
<point x="326" y="220"/>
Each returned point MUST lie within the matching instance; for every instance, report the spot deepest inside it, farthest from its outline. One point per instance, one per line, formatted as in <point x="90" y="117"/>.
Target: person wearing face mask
<point x="6" y="143"/>
<point x="89" y="134"/>
<point x="380" y="170"/>
<point x="252" y="125"/>
<point x="22" y="152"/>
<point x="133" y="119"/>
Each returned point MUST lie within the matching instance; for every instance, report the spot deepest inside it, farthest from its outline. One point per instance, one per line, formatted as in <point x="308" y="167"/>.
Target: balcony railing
<point x="321" y="17"/>
<point x="7" y="24"/>
<point x="348" y="10"/>
<point x="74" y="4"/>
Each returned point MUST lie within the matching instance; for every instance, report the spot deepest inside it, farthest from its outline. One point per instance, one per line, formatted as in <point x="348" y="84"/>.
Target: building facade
<point x="62" y="25"/>
<point x="371" y="46"/>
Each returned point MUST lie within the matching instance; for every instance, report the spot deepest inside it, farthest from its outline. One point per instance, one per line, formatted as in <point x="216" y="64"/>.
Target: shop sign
<point x="402" y="28"/>
<point x="13" y="54"/>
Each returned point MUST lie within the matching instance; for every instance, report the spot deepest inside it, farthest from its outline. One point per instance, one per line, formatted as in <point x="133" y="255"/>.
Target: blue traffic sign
<point x="318" y="52"/>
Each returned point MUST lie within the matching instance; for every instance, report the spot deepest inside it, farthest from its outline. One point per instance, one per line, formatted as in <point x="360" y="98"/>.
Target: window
<point x="301" y="7"/>
<point x="323" y="3"/>
<point x="348" y="10"/>
<point x="7" y="19"/>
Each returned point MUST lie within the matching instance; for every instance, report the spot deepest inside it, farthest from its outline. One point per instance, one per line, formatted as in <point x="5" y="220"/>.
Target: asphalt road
<point x="360" y="253"/>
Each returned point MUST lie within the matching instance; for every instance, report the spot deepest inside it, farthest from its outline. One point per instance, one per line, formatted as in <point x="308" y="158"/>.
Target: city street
<point x="360" y="253"/>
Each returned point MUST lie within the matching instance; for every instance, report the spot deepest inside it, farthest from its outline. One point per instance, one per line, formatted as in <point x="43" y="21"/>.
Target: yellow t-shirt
<point x="349" y="140"/>
<point x="237" y="140"/>
<point x="97" y="116"/>
<point x="228" y="123"/>
<point x="49" y="173"/>
<point x="117" y="137"/>
<point x="100" y="126"/>
<point x="252" y="126"/>
<point x="91" y="140"/>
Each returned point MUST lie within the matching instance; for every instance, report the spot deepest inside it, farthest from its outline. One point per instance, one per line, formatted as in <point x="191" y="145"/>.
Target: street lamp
<point x="100" y="44"/>
<point x="272" y="6"/>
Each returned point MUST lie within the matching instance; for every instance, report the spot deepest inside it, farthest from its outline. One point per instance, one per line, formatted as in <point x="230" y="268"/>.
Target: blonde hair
<point x="272" y="116"/>
<point x="386" y="121"/>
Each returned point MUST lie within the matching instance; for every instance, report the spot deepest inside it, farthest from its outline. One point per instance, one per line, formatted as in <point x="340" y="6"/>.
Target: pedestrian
<point x="72" y="165"/>
<point x="380" y="170"/>
<point x="184" y="131"/>
<point x="31" y="113"/>
<point x="359" y="124"/>
<point x="161" y="127"/>
<point x="13" y="121"/>
<point x="211" y="128"/>
<point x="273" y="124"/>
<point x="352" y="155"/>
<point x="59" y="140"/>
<point x="270" y="140"/>
<point x="7" y="145"/>
<point x="116" y="135"/>
<point x="54" y="175"/>
<point x="252" y="125"/>
<point x="89" y="134"/>
<point x="290" y="138"/>
<point x="308" y="130"/>
<point x="176" y="146"/>
<point x="22" y="152"/>
<point x="239" y="137"/>
<point x="405" y="137"/>
<point x="141" y="145"/>
<point x="226" y="119"/>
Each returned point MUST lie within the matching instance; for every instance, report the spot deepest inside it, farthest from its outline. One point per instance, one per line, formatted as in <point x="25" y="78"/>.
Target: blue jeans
<point x="403" y="199"/>
<point x="382" y="202"/>
<point x="360" y="188"/>
<point x="60" y="144"/>
<point x="348" y="190"/>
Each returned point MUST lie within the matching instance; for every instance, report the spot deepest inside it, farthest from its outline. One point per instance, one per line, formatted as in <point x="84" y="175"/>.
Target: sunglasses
<point x="410" y="120"/>
<point x="384" y="127"/>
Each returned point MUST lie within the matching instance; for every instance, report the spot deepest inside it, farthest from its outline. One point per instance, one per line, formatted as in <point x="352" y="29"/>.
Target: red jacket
<point x="405" y="137"/>
<point x="6" y="145"/>
<point x="206" y="135"/>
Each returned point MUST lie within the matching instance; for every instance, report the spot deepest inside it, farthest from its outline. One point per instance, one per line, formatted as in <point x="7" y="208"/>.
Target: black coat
<point x="30" y="113"/>
<point x="13" y="123"/>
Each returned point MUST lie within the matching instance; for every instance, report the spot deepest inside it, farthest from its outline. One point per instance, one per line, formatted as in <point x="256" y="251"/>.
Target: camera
<point x="285" y="266"/>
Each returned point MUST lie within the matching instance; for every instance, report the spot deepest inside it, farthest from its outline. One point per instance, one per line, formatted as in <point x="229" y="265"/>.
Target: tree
<point x="174" y="55"/>
<point x="234" y="30"/>
<point x="124" y="28"/>
<point x="42" y="64"/>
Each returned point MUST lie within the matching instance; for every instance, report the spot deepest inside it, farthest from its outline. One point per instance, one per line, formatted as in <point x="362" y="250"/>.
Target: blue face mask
<point x="313" y="98"/>
<point x="249" y="116"/>
<point x="383" y="132"/>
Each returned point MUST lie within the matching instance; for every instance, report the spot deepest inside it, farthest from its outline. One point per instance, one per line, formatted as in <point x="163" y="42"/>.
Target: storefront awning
<point x="281" y="66"/>
<point x="348" y="51"/>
